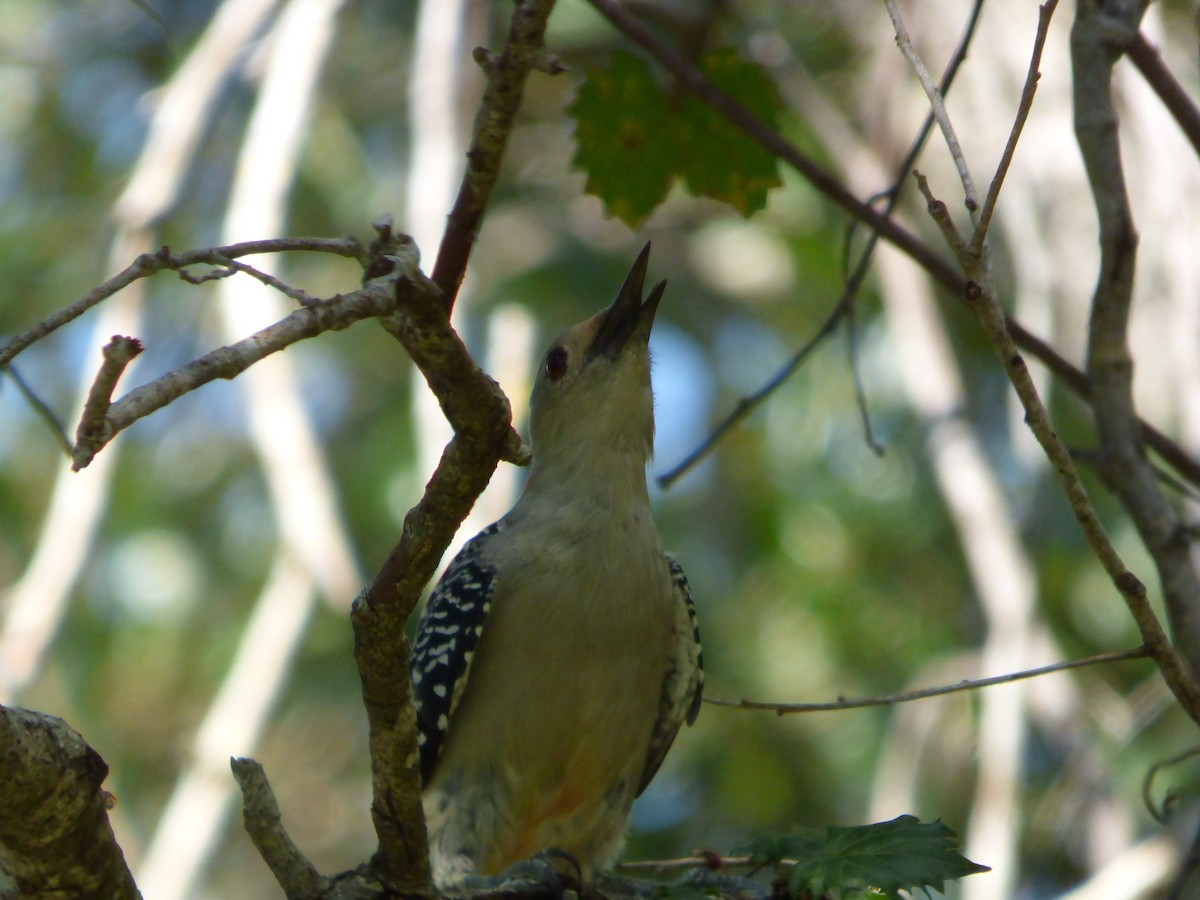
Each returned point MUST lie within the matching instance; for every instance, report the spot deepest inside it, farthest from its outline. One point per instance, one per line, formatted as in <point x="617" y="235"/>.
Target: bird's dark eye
<point x="556" y="363"/>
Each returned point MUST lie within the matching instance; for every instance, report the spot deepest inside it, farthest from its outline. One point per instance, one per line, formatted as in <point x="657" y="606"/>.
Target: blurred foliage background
<point x="171" y="606"/>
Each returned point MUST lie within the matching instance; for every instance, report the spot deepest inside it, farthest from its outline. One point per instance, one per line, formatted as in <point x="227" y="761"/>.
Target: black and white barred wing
<point x="445" y="643"/>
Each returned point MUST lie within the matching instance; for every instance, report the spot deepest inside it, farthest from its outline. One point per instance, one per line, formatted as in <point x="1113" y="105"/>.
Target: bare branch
<point x="230" y="361"/>
<point x="1131" y="589"/>
<point x="482" y="420"/>
<point x="506" y="76"/>
<point x="751" y="402"/>
<point x="260" y="812"/>
<point x="117" y="355"/>
<point x="925" y="693"/>
<point x="163" y="259"/>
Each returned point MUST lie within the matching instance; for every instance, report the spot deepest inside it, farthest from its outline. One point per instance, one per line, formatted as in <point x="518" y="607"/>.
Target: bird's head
<point x="593" y="386"/>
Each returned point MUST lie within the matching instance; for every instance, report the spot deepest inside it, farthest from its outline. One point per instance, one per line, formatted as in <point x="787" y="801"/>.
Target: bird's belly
<point x="583" y="676"/>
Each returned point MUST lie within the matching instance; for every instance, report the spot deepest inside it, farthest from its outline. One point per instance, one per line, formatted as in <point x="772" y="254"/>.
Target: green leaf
<point x="902" y="854"/>
<point x="634" y="141"/>
<point x="732" y="167"/>
<point x="622" y="144"/>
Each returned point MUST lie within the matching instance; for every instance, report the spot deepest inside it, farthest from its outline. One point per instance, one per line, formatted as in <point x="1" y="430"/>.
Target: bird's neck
<point x="614" y="479"/>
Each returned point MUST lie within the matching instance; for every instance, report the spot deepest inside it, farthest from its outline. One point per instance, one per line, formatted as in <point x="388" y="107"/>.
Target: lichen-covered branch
<point x="260" y="813"/>
<point x="55" y="839"/>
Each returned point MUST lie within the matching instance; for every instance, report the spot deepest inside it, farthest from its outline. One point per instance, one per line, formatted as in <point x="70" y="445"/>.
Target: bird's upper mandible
<point x="558" y="656"/>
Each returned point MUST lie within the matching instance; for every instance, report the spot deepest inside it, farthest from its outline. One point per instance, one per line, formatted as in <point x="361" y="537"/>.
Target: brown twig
<point x="924" y="693"/>
<point x="751" y="402"/>
<point x="1028" y="91"/>
<point x="40" y="407"/>
<point x="1132" y="590"/>
<point x="1162" y="81"/>
<point x="1094" y="50"/>
<point x="506" y="76"/>
<point x="118" y="354"/>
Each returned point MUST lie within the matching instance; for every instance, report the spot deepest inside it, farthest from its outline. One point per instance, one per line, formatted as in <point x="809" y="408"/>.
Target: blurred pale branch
<point x="941" y="690"/>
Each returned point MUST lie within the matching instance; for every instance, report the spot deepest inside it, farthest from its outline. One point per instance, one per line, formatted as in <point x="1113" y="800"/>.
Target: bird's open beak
<point x="629" y="314"/>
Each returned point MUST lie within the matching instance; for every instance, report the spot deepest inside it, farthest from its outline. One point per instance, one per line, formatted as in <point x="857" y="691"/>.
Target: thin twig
<point x="1162" y="813"/>
<point x="940" y="213"/>
<point x="1045" y="11"/>
<point x="43" y="410"/>
<point x="751" y="402"/>
<point x="907" y="696"/>
<point x="1132" y="590"/>
<point x="938" y="106"/>
<point x="701" y="861"/>
<point x="1162" y="81"/>
<point x="860" y="392"/>
<point x="506" y="74"/>
<point x="162" y="260"/>
<point x="304" y="298"/>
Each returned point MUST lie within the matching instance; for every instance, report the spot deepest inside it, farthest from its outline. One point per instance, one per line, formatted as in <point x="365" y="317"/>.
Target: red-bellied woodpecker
<point x="559" y="655"/>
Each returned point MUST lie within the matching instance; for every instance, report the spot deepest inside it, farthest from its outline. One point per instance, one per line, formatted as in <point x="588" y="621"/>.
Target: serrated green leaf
<point x="633" y="141"/>
<point x="732" y="168"/>
<point x="773" y="849"/>
<point x="621" y="141"/>
<point x="903" y="854"/>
